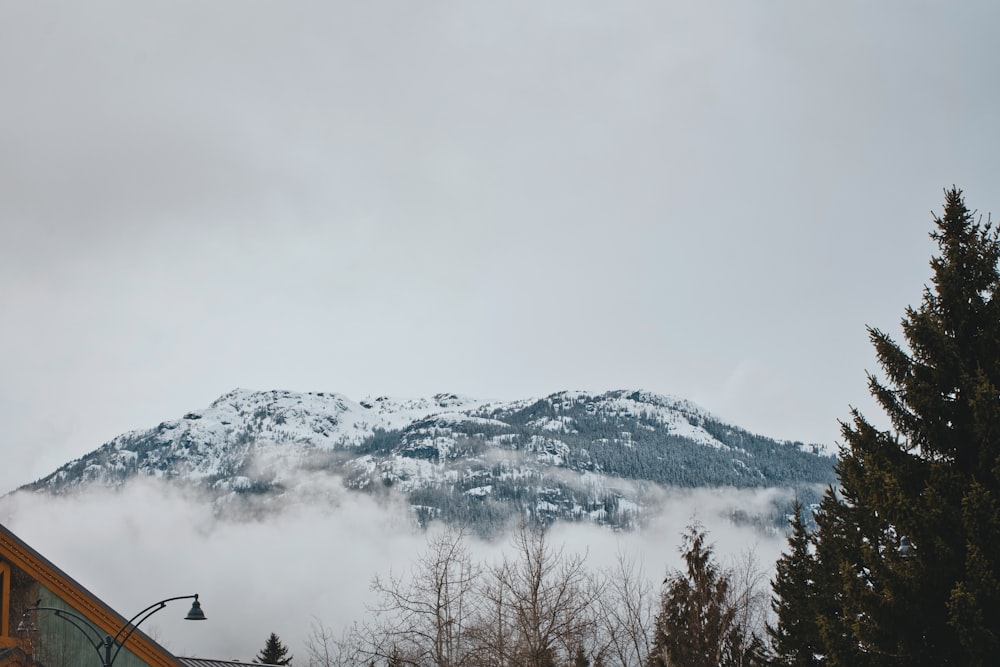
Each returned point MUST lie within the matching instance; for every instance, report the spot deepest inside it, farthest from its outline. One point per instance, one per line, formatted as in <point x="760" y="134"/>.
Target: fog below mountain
<point x="305" y="563"/>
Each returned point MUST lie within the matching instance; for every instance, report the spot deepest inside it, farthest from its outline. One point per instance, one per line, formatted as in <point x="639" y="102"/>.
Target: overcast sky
<point x="709" y="200"/>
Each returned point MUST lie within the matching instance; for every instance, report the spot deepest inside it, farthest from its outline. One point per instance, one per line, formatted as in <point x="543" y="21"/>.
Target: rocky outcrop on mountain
<point x="571" y="456"/>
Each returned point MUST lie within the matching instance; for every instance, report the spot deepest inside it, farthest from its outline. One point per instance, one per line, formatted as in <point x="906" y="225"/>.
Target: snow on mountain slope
<point x="679" y="417"/>
<point x="267" y="426"/>
<point x="568" y="455"/>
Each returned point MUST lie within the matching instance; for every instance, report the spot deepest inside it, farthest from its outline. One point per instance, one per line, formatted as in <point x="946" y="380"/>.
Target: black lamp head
<point x="196" y="614"/>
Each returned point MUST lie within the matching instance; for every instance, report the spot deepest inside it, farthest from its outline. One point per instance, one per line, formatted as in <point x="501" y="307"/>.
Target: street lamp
<point x="104" y="645"/>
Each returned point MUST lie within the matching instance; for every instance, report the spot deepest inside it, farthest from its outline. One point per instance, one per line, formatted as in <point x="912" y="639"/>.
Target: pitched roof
<point x="202" y="662"/>
<point x="13" y="549"/>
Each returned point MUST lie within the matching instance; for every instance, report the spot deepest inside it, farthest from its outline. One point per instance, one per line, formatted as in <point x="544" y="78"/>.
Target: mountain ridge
<point x="571" y="455"/>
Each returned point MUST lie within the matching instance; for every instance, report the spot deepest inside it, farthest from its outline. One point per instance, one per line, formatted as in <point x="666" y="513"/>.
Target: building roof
<point x="202" y="662"/>
<point x="15" y="550"/>
<point x="18" y="553"/>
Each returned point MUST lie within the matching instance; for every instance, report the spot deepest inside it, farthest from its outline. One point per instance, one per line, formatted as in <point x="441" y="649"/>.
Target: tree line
<point x="898" y="565"/>
<point x="539" y="606"/>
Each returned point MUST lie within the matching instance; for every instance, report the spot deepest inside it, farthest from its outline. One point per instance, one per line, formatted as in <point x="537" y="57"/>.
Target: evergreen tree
<point x="795" y="637"/>
<point x="274" y="652"/>
<point x="908" y="547"/>
<point x="696" y="620"/>
<point x="836" y="557"/>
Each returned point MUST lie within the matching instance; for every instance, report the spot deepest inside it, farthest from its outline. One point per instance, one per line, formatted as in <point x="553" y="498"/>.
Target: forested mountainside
<point x="571" y="455"/>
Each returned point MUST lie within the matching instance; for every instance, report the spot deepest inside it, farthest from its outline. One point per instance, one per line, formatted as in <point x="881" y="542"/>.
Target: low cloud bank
<point x="285" y="569"/>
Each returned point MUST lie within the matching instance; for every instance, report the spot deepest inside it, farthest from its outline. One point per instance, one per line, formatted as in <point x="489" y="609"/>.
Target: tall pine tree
<point x="696" y="624"/>
<point x="274" y="652"/>
<point x="908" y="546"/>
<point x="795" y="636"/>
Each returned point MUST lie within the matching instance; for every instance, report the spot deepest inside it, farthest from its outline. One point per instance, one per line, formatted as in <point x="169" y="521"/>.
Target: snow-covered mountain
<point x="571" y="455"/>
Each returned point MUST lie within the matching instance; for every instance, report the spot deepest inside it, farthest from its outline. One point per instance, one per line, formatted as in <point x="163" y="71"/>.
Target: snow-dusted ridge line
<point x="436" y="450"/>
<point x="331" y="420"/>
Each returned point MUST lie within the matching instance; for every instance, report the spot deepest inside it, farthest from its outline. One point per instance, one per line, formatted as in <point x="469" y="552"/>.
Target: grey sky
<point x="500" y="199"/>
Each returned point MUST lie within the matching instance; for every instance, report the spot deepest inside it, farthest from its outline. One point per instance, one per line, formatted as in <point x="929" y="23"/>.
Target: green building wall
<point x="59" y="643"/>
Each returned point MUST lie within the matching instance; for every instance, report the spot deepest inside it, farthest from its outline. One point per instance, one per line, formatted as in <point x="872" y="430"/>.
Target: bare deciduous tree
<point x="748" y="596"/>
<point x="549" y="601"/>
<point x="627" y="612"/>
<point x="323" y="649"/>
<point x="425" y="618"/>
<point x="539" y="606"/>
<point x="494" y="630"/>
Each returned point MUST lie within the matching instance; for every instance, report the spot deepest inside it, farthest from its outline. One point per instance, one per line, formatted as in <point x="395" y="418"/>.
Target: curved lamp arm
<point x="132" y="624"/>
<point x="124" y="632"/>
<point x="78" y="622"/>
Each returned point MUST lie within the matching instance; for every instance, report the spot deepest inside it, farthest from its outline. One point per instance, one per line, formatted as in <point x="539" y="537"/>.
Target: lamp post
<point x="106" y="644"/>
